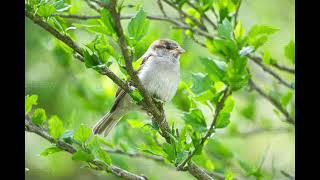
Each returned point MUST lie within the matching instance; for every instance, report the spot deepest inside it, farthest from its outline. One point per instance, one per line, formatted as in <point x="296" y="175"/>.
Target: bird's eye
<point x="168" y="47"/>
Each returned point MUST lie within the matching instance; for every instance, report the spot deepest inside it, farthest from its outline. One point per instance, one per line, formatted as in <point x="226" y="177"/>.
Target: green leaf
<point x="289" y="51"/>
<point x="104" y="142"/>
<point x="228" y="175"/>
<point x="106" y="18"/>
<point x="104" y="156"/>
<point x="50" y="150"/>
<point x="205" y="5"/>
<point x="29" y="102"/>
<point x="239" y="31"/>
<point x="97" y="27"/>
<point x="55" y="127"/>
<point x="91" y="61"/>
<point x="67" y="136"/>
<point x="223" y="118"/>
<point x="258" y="35"/>
<point x="216" y="69"/>
<point x="200" y="83"/>
<point x="257" y="30"/>
<point x="46" y="10"/>
<point x="138" y="25"/>
<point x="286" y="98"/>
<point x="181" y="156"/>
<point x="196" y="119"/>
<point x="136" y="95"/>
<point x="266" y="57"/>
<point x="39" y="116"/>
<point x="135" y="123"/>
<point x="225" y="29"/>
<point x="82" y="156"/>
<point x="136" y="64"/>
<point x="169" y="150"/>
<point x="82" y="134"/>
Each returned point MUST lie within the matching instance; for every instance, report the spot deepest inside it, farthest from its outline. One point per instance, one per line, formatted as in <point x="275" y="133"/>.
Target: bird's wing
<point x="120" y="92"/>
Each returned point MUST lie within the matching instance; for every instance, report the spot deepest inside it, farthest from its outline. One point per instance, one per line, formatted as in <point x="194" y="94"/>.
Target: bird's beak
<point x="180" y="50"/>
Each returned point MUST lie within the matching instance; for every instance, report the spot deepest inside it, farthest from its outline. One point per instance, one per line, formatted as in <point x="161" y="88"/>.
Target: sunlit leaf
<point x="138" y="25"/>
<point x="196" y="119"/>
<point x="225" y="29"/>
<point x="289" y="51"/>
<point x="55" y="127"/>
<point x="29" y="102"/>
<point x="82" y="134"/>
<point x="82" y="156"/>
<point x="50" y="150"/>
<point x="39" y="116"/>
<point x="200" y="82"/>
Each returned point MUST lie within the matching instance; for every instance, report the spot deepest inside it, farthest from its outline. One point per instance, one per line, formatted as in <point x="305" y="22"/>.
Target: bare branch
<point x="280" y="67"/>
<point x="287" y="175"/>
<point x="92" y="6"/>
<point x="274" y="102"/>
<point x="69" y="148"/>
<point x="270" y="71"/>
<point x="161" y="8"/>
<point x="237" y="13"/>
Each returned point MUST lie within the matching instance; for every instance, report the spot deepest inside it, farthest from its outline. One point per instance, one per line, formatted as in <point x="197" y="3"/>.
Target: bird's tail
<point x="105" y="124"/>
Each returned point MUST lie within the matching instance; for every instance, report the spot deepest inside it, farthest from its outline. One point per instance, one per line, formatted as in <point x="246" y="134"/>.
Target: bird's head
<point x="166" y="47"/>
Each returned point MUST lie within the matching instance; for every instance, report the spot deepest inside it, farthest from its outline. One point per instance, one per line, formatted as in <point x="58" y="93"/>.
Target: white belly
<point x="161" y="78"/>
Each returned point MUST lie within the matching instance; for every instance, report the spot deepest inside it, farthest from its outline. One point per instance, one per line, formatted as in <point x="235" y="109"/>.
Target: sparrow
<point x="159" y="74"/>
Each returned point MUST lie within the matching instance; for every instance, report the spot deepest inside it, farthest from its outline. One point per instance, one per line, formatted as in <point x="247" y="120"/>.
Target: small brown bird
<point x="159" y="74"/>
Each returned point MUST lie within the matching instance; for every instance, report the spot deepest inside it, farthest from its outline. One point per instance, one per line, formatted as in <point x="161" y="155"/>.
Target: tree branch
<point x="69" y="148"/>
<point x="68" y="41"/>
<point x="130" y="154"/>
<point x="203" y="14"/>
<point x="270" y="71"/>
<point x="151" y="107"/>
<point x="274" y="102"/>
<point x="185" y="15"/>
<point x="280" y="67"/>
<point x="211" y="130"/>
<point x="237" y="13"/>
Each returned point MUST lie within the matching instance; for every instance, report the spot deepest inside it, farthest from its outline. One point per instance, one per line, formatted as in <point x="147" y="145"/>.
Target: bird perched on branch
<point x="159" y="74"/>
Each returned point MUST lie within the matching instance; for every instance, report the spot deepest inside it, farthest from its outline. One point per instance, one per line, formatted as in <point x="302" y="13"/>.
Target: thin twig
<point x="276" y="65"/>
<point x="237" y="13"/>
<point x="263" y="130"/>
<point x="181" y="12"/>
<point x="270" y="71"/>
<point x="274" y="102"/>
<point x="287" y="175"/>
<point x="152" y="17"/>
<point x="92" y="6"/>
<point x="210" y="131"/>
<point x="118" y="151"/>
<point x="161" y="8"/>
<point x="203" y="15"/>
<point x="69" y="148"/>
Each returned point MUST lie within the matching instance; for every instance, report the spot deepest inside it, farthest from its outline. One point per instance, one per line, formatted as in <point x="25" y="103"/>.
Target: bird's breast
<point x="161" y="78"/>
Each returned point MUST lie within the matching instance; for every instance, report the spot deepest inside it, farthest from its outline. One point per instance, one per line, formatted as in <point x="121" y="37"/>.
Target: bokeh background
<point x="79" y="95"/>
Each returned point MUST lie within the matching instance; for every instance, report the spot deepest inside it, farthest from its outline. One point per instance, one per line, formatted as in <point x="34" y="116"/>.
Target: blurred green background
<point x="79" y="95"/>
